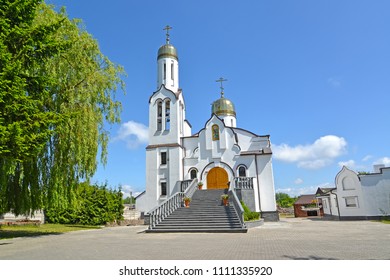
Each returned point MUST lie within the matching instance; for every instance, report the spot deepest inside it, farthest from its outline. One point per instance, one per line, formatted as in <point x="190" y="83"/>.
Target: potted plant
<point x="200" y="185"/>
<point x="187" y="201"/>
<point x="225" y="199"/>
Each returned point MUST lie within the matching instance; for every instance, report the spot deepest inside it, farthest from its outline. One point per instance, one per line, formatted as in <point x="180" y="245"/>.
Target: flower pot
<point x="200" y="187"/>
<point x="187" y="203"/>
<point x="225" y="201"/>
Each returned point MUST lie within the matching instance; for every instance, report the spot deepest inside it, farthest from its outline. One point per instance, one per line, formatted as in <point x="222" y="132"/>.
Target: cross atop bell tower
<point x="167" y="28"/>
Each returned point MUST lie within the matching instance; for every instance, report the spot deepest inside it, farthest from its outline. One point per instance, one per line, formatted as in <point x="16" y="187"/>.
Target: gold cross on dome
<point x="167" y="28"/>
<point x="221" y="80"/>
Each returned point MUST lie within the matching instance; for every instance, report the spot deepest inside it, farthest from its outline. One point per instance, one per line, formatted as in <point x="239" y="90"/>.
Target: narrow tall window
<point x="241" y="171"/>
<point x="215" y="132"/>
<point x="181" y="118"/>
<point x="167" y="115"/>
<point x="193" y="173"/>
<point x="159" y="116"/>
<point x="165" y="71"/>
<point x="163" y="188"/>
<point x="163" y="158"/>
<point x="172" y="73"/>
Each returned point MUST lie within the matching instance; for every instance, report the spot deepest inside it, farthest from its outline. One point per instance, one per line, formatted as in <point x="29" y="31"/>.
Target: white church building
<point x="220" y="155"/>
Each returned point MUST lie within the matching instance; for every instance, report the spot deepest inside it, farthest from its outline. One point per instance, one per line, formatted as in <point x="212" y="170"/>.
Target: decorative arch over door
<point x="217" y="178"/>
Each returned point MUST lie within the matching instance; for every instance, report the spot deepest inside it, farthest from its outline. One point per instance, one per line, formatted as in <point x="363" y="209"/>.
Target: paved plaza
<point x="293" y="238"/>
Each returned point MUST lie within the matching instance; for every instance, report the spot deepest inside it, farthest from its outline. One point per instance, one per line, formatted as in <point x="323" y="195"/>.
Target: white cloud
<point x="349" y="163"/>
<point x="128" y="190"/>
<point x="367" y="157"/>
<point x="133" y="133"/>
<point x="334" y="82"/>
<point x="384" y="160"/>
<point x="297" y="191"/>
<point x="312" y="156"/>
<point x="298" y="181"/>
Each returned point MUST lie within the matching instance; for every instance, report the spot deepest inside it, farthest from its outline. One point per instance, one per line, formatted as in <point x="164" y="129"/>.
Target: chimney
<point x="377" y="168"/>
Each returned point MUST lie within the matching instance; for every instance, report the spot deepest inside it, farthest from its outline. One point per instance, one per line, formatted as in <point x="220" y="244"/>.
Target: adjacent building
<point x="358" y="196"/>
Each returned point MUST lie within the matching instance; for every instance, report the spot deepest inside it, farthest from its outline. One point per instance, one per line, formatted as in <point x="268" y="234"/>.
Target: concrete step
<point x="205" y="214"/>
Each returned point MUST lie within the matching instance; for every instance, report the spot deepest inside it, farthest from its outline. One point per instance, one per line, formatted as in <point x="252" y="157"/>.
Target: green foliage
<point x="248" y="214"/>
<point x="129" y="200"/>
<point x="57" y="90"/>
<point x="284" y="200"/>
<point x="44" y="229"/>
<point x="96" y="205"/>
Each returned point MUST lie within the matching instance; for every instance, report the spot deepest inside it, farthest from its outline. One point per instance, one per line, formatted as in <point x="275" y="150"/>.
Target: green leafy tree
<point x="57" y="91"/>
<point x="284" y="200"/>
<point x="129" y="200"/>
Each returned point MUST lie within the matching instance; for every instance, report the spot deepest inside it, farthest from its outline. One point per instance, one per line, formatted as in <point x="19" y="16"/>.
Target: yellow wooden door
<point x="217" y="178"/>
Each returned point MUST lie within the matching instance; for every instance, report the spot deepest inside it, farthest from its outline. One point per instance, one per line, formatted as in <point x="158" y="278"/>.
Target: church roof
<point x="167" y="50"/>
<point x="223" y="106"/>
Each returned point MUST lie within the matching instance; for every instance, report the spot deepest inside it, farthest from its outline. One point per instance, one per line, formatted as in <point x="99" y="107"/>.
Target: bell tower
<point x="167" y="126"/>
<point x="168" y="65"/>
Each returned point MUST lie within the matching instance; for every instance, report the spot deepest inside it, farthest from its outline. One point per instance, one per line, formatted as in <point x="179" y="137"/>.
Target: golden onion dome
<point x="167" y="50"/>
<point x="224" y="107"/>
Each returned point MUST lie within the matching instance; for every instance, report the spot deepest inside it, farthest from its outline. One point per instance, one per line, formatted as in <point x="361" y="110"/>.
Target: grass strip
<point x="13" y="231"/>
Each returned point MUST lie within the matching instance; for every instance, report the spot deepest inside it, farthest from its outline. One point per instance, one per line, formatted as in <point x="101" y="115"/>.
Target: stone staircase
<point x="205" y="214"/>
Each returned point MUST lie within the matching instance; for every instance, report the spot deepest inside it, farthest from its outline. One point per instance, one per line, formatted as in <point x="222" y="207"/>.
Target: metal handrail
<point x="189" y="192"/>
<point x="160" y="212"/>
<point x="237" y="206"/>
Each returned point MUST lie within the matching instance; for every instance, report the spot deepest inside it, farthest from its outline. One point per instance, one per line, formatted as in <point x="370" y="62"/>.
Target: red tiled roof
<point x="306" y="199"/>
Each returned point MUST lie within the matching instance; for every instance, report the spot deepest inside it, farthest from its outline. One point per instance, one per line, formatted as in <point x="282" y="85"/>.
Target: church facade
<point x="220" y="155"/>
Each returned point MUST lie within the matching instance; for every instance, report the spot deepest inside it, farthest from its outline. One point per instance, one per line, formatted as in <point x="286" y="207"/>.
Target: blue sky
<point x="315" y="75"/>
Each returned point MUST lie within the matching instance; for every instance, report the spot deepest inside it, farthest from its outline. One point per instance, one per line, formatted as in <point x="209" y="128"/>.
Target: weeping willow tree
<point x="57" y="92"/>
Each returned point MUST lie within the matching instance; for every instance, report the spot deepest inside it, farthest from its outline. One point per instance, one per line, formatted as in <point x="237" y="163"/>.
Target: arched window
<point x="159" y="115"/>
<point x="165" y="72"/>
<point x="215" y="132"/>
<point x="193" y="173"/>
<point x="242" y="171"/>
<point x="172" y="69"/>
<point x="167" y="114"/>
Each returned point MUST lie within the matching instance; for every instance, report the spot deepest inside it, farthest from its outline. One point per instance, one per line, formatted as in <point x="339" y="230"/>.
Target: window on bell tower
<point x="165" y="72"/>
<point x="215" y="132"/>
<point x="159" y="115"/>
<point x="167" y="114"/>
<point x="172" y="69"/>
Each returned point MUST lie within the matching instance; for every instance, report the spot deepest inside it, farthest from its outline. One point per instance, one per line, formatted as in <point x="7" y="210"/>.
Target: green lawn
<point x="45" y="229"/>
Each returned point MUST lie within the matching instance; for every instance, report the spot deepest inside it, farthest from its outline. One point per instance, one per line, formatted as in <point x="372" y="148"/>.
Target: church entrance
<point x="217" y="178"/>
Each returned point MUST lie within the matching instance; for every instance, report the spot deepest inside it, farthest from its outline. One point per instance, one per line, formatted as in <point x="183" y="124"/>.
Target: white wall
<point x="371" y="193"/>
<point x="376" y="192"/>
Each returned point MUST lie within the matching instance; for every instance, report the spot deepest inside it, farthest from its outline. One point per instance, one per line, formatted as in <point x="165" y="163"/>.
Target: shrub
<point x="95" y="205"/>
<point x="248" y="214"/>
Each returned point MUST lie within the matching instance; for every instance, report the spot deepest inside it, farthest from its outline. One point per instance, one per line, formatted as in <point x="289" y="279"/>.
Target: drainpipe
<point x="337" y="201"/>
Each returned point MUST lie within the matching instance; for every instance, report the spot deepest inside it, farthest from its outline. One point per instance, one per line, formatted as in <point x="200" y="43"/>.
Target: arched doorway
<point x="217" y="178"/>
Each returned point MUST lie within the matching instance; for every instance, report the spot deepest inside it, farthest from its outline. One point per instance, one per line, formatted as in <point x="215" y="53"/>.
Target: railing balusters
<point x="160" y="212"/>
<point x="243" y="182"/>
